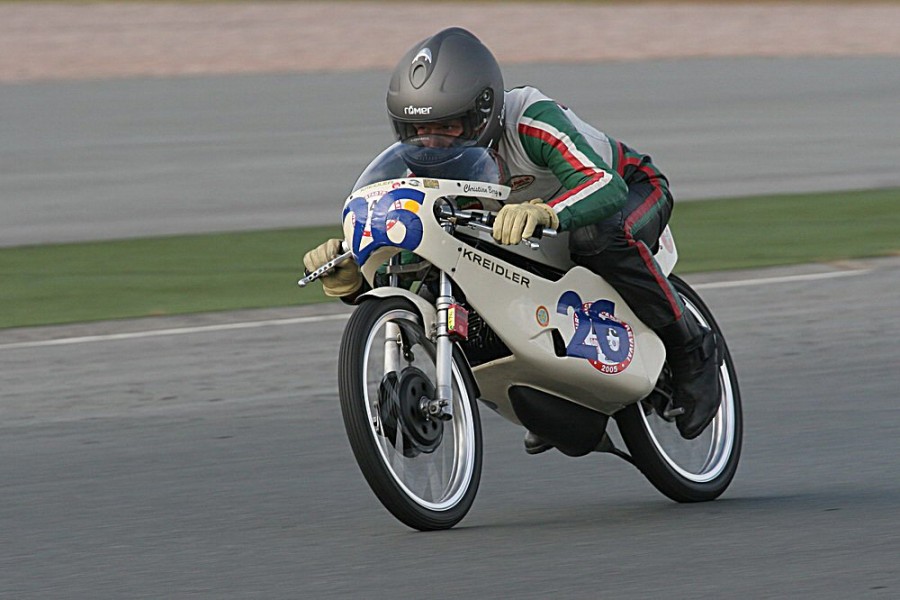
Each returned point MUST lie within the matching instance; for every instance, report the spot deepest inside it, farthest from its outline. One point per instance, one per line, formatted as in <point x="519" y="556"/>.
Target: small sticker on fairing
<point x="520" y="182"/>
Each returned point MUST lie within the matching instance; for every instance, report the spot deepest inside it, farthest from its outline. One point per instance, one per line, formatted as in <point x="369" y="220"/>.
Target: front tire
<point x="688" y="470"/>
<point x="425" y="472"/>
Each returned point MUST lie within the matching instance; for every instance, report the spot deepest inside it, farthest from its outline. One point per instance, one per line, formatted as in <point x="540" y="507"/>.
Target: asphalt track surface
<point x="205" y="457"/>
<point x="208" y="460"/>
<point x="124" y="158"/>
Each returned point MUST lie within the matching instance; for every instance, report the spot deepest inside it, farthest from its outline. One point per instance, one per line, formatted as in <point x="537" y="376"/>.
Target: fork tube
<point x="444" y="359"/>
<point x="391" y="347"/>
<point x="392" y="339"/>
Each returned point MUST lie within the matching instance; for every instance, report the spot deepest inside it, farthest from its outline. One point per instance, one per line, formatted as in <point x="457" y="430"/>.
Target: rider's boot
<point x="693" y="356"/>
<point x="535" y="444"/>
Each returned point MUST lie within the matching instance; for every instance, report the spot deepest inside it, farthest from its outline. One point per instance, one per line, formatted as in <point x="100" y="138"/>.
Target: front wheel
<point x="424" y="471"/>
<point x="687" y="470"/>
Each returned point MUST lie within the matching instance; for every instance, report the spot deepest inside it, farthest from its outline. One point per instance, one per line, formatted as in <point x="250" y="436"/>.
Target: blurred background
<point x="169" y="417"/>
<point x="130" y="119"/>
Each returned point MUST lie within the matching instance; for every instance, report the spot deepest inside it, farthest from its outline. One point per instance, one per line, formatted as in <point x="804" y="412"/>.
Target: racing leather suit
<point x="613" y="200"/>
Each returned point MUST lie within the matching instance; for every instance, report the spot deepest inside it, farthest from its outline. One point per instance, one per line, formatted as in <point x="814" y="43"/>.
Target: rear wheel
<point x="687" y="470"/>
<point x="424" y="471"/>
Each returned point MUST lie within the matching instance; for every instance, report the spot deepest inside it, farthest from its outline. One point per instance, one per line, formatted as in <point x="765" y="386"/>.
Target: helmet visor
<point x="437" y="140"/>
<point x="466" y="127"/>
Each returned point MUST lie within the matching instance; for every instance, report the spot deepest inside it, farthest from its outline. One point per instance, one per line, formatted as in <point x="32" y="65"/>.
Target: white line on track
<point x="317" y="319"/>
<point x="176" y="331"/>
<point x="776" y="280"/>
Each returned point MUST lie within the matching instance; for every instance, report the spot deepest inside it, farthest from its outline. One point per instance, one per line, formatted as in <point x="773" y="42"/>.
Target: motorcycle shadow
<point x="616" y="514"/>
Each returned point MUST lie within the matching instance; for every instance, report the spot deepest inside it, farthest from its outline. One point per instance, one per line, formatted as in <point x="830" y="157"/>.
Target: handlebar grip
<point x="540" y="232"/>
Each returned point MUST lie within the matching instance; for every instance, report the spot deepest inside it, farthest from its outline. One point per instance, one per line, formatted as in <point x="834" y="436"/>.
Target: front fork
<point x="393" y="341"/>
<point x="441" y="406"/>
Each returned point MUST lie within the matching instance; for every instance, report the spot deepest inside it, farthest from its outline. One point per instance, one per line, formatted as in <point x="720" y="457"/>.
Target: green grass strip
<point x="67" y="283"/>
<point x="741" y="233"/>
<point x="156" y="276"/>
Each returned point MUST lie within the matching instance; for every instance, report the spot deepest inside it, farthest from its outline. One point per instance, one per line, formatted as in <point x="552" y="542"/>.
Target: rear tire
<point x="425" y="472"/>
<point x="688" y="470"/>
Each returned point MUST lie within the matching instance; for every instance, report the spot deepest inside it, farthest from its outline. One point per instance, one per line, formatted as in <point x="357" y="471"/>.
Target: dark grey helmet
<point x="449" y="75"/>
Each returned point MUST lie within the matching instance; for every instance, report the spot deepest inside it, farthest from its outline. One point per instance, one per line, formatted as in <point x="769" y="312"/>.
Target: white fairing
<point x="574" y="338"/>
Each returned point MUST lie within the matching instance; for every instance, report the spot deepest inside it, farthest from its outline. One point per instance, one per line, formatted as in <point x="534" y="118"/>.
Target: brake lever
<point x="325" y="269"/>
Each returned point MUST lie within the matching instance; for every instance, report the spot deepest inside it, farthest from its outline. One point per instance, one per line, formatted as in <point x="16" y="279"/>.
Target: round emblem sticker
<point x="542" y="315"/>
<point x="608" y="342"/>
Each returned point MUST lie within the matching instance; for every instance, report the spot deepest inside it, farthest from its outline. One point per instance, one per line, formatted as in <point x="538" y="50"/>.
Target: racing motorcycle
<point x="453" y="319"/>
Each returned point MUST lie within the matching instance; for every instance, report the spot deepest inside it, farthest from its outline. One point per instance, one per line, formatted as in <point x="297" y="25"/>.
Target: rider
<point x="567" y="175"/>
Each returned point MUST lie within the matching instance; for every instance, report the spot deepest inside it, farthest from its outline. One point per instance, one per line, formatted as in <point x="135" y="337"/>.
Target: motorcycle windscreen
<point x="465" y="163"/>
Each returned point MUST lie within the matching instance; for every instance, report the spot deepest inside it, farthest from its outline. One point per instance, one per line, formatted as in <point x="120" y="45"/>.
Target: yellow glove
<point x="515" y="222"/>
<point x="344" y="280"/>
